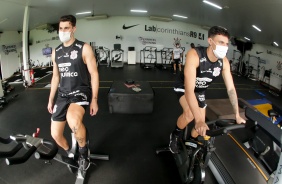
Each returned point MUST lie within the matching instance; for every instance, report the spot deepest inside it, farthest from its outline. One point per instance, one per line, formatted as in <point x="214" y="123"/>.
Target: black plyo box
<point x="123" y="99"/>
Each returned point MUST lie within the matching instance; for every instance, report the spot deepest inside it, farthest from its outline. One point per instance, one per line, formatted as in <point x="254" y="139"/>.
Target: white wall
<point x="10" y="61"/>
<point x="40" y="39"/>
<point x="271" y="58"/>
<point x="104" y="32"/>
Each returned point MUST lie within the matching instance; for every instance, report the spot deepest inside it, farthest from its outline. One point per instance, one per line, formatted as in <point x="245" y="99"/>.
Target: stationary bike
<point x="4" y="101"/>
<point x="46" y="150"/>
<point x="195" y="154"/>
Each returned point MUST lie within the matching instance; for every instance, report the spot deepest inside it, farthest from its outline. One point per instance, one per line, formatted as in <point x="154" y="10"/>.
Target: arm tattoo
<point x="233" y="99"/>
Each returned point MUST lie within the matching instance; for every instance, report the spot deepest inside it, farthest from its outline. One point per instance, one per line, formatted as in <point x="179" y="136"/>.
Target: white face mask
<point x="220" y="51"/>
<point x="64" y="36"/>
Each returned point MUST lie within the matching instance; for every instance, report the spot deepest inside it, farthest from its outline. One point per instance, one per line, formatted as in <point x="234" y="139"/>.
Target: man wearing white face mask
<point x="176" y="56"/>
<point x="75" y="75"/>
<point x="202" y="66"/>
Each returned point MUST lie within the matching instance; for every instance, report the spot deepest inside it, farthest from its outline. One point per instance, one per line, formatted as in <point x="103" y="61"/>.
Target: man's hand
<point x="240" y="120"/>
<point x="93" y="107"/>
<point x="50" y="107"/>
<point x="201" y="128"/>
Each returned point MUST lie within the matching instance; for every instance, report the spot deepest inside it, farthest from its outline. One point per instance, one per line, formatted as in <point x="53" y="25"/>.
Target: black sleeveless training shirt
<point x="74" y="74"/>
<point x="206" y="72"/>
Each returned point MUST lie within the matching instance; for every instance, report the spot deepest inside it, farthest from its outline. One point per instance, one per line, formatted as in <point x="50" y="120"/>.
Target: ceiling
<point x="237" y="16"/>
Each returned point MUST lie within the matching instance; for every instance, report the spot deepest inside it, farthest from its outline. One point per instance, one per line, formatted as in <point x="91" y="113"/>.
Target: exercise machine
<point x="117" y="55"/>
<point x="46" y="150"/>
<point x="148" y="57"/>
<point x="236" y="67"/>
<point x="253" y="67"/>
<point x="4" y="101"/>
<point x="229" y="160"/>
<point x="253" y="161"/>
<point x="5" y="87"/>
<point x="166" y="58"/>
<point x="102" y="55"/>
<point x="195" y="154"/>
<point x="1" y="89"/>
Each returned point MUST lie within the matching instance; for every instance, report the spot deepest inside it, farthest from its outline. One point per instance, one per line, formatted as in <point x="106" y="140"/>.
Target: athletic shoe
<point x="70" y="154"/>
<point x="173" y="144"/>
<point x="84" y="161"/>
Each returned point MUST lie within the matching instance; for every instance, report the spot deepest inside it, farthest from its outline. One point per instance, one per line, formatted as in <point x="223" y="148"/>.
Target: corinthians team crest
<point x="73" y="55"/>
<point x="216" y="71"/>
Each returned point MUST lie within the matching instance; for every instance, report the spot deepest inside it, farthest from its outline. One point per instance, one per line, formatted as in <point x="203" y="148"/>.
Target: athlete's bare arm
<point x="54" y="84"/>
<point x="231" y="91"/>
<point x="90" y="61"/>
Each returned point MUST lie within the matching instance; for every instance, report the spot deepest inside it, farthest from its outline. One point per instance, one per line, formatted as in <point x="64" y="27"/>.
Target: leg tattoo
<point x="80" y="140"/>
<point x="74" y="130"/>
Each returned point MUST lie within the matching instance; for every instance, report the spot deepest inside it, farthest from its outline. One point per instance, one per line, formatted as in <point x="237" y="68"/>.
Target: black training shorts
<point x="177" y="61"/>
<point x="180" y="91"/>
<point x="64" y="100"/>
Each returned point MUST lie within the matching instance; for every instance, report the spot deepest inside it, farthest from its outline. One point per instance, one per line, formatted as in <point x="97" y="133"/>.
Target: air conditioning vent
<point x="205" y="27"/>
<point x="44" y="27"/>
<point x="96" y="17"/>
<point x="164" y="19"/>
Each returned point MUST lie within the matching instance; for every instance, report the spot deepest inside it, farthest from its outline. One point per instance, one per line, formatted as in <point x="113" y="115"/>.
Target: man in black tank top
<point x="76" y="78"/>
<point x="202" y="66"/>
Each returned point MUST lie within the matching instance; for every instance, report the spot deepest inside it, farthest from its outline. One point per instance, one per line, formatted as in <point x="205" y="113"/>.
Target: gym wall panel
<point x="104" y="32"/>
<point x="10" y="42"/>
<point x="271" y="59"/>
<point x="40" y="39"/>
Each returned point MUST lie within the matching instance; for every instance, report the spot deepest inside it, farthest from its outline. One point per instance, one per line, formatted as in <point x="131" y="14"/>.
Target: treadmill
<point x="166" y="58"/>
<point x="102" y="55"/>
<point x="233" y="163"/>
<point x="117" y="55"/>
<point x="148" y="57"/>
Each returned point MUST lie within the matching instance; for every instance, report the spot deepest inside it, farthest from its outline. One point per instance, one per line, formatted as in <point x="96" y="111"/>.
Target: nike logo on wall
<point x="127" y="27"/>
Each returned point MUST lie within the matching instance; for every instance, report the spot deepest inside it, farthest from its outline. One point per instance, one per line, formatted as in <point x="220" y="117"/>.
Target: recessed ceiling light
<point x="212" y="4"/>
<point x="247" y="38"/>
<point x="180" y="16"/>
<point x="3" y="20"/>
<point x="275" y="44"/>
<point x="257" y="28"/>
<point x="82" y="13"/>
<point x="139" y="11"/>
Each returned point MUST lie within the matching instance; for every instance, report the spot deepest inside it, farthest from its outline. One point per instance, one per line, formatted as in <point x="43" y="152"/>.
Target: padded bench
<point x="222" y="109"/>
<point x="123" y="99"/>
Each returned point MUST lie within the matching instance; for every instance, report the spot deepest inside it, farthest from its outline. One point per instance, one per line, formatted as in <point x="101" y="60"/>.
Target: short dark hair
<point x="218" y="30"/>
<point x="68" y="18"/>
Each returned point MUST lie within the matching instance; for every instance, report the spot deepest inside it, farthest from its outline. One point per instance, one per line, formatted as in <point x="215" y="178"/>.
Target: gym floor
<point x="129" y="140"/>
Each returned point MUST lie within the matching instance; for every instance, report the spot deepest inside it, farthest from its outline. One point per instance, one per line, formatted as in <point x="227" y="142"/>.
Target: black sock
<point x="177" y="131"/>
<point x="84" y="151"/>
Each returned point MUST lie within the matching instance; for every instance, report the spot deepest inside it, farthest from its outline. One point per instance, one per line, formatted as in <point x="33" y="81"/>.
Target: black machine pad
<point x="125" y="98"/>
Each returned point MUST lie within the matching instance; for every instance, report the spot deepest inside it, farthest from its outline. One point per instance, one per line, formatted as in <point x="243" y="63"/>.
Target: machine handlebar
<point x="223" y="126"/>
<point x="21" y="159"/>
<point x="31" y="144"/>
<point x="51" y="154"/>
<point x="5" y="141"/>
